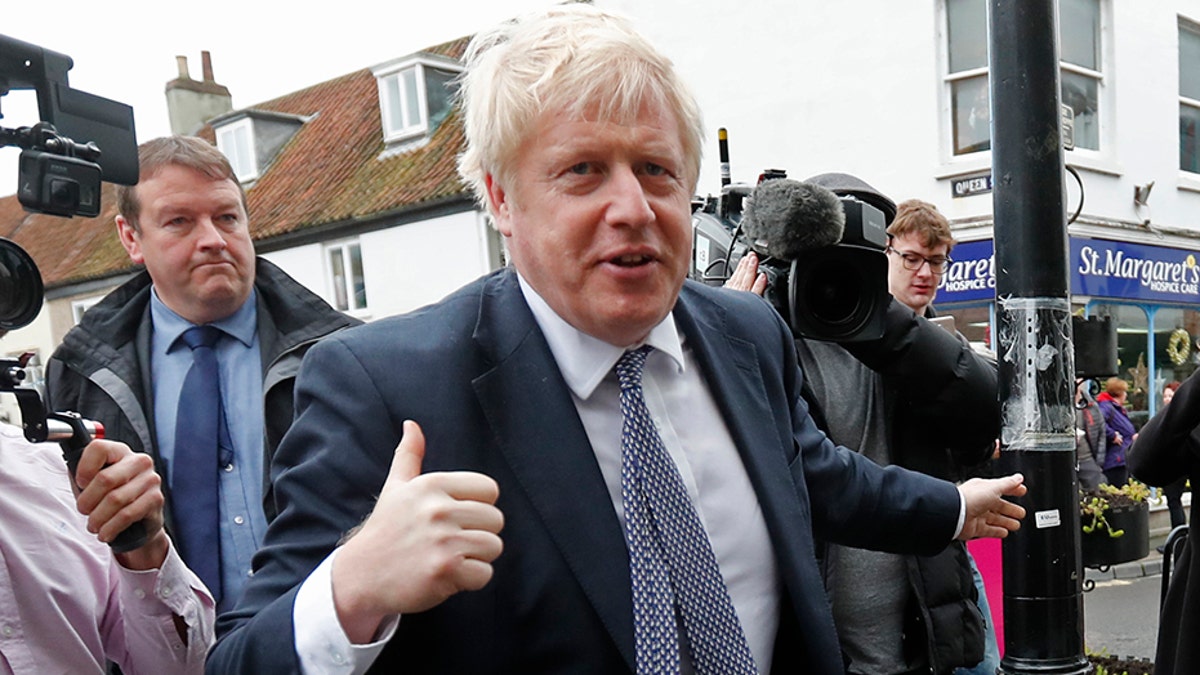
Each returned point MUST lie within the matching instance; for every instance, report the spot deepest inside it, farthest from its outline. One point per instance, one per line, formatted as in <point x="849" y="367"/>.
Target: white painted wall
<point x="856" y="87"/>
<point x="405" y="267"/>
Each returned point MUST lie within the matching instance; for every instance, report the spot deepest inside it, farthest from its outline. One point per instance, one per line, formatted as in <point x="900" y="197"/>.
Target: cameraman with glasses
<point x="919" y="398"/>
<point x="918" y="254"/>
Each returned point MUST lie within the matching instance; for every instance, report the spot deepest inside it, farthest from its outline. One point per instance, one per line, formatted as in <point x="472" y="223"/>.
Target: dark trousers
<point x="1117" y="475"/>
<point x="1174" y="493"/>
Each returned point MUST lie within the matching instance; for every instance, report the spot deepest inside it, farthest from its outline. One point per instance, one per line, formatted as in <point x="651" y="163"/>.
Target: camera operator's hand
<point x="746" y="276"/>
<point x="988" y="513"/>
<point x="118" y="487"/>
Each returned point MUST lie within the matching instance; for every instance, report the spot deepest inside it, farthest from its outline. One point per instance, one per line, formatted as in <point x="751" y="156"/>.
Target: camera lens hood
<point x="21" y="290"/>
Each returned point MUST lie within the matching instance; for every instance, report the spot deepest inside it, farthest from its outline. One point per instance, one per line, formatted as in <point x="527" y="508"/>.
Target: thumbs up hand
<point x="430" y="536"/>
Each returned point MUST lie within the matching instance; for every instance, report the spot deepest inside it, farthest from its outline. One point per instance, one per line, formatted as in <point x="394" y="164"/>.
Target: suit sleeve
<point x="949" y="394"/>
<point x="1169" y="445"/>
<point x="328" y="472"/>
<point x="854" y="501"/>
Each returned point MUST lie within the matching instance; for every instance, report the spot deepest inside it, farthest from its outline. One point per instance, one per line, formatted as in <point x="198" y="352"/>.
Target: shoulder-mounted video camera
<point x="821" y="249"/>
<point x="81" y="140"/>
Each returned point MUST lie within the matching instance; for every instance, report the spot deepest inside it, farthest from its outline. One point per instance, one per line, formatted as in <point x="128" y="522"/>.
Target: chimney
<point x="191" y="103"/>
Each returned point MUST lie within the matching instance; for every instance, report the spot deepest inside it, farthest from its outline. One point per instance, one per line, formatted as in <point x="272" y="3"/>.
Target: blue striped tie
<point x="671" y="559"/>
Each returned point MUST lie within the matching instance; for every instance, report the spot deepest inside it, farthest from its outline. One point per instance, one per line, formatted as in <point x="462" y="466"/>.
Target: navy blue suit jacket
<point x="475" y="371"/>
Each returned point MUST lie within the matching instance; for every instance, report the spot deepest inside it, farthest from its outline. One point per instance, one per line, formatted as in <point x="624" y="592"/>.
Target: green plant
<point x="1094" y="504"/>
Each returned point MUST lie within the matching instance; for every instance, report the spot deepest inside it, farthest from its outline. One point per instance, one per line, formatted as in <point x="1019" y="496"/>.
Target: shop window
<point x="1133" y="355"/>
<point x="1189" y="96"/>
<point x="975" y="324"/>
<point x="1175" y="355"/>
<point x="1082" y="75"/>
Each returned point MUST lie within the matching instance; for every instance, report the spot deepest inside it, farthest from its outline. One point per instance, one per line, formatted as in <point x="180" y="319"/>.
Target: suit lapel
<point x="532" y="415"/>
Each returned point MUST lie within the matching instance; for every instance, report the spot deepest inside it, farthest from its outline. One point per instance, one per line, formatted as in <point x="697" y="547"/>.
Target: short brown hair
<point x="1115" y="386"/>
<point x="922" y="219"/>
<point x="187" y="151"/>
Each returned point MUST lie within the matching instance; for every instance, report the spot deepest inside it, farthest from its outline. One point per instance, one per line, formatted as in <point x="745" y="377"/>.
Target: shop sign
<point x="1113" y="269"/>
<point x="972" y="274"/>
<point x="1099" y="268"/>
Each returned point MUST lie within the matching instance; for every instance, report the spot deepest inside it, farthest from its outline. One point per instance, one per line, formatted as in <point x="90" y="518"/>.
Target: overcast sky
<point x="125" y="49"/>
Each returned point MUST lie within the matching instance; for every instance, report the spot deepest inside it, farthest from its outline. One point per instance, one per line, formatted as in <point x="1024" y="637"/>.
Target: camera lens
<point x="833" y="299"/>
<point x="838" y="293"/>
<point x="21" y="291"/>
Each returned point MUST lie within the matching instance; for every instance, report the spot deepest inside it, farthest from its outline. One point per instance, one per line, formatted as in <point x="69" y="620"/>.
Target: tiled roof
<point x="329" y="172"/>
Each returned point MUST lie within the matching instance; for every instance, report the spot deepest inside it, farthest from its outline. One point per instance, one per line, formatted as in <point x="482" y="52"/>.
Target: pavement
<point x="1149" y="566"/>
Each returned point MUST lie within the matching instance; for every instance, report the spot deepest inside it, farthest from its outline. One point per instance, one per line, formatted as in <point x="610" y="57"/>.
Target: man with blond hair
<point x="600" y="468"/>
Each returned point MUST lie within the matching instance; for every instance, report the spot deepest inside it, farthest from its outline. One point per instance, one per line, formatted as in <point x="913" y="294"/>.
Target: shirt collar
<point x="241" y="325"/>
<point x="584" y="360"/>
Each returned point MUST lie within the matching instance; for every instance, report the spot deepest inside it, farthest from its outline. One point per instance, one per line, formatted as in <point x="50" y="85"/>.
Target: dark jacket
<point x="941" y="403"/>
<point x="559" y="600"/>
<point x="102" y="368"/>
<point x="1167" y="450"/>
<point x="1115" y="420"/>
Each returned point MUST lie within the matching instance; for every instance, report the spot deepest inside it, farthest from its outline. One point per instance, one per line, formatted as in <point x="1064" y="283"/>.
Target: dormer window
<point x="415" y="95"/>
<point x="236" y="141"/>
<point x="251" y="139"/>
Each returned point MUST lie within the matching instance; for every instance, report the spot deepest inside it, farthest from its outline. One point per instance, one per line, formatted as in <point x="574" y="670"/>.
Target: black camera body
<point x="835" y="293"/>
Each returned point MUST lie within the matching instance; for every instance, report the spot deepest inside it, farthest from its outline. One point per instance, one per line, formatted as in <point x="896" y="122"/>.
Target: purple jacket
<point x="1117" y="421"/>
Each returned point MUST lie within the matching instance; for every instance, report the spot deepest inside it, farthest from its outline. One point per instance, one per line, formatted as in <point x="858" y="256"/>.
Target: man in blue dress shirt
<point x="125" y="363"/>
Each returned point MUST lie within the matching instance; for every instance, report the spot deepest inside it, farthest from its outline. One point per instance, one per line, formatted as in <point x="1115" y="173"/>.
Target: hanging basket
<point x="1100" y="548"/>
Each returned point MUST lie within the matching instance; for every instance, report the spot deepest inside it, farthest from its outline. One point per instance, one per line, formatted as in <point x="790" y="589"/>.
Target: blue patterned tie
<point x="194" y="476"/>
<point x="671" y="560"/>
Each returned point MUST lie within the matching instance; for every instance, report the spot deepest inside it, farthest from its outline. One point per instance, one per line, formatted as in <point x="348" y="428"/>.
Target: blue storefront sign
<point x="972" y="274"/>
<point x="1098" y="268"/>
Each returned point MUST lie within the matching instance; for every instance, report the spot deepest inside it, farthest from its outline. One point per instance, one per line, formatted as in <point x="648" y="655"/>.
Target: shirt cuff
<point x="171" y="589"/>
<point x="321" y="644"/>
<point x="962" y="514"/>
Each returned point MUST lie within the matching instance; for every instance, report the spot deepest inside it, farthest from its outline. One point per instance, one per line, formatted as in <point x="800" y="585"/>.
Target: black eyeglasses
<point x="938" y="264"/>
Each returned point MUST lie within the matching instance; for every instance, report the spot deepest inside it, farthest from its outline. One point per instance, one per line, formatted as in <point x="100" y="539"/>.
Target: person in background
<point x="1166" y="451"/>
<point x="1174" y="491"/>
<point x="193" y="359"/>
<point x="932" y="405"/>
<point x="582" y="463"/>
<point x="68" y="603"/>
<point x="1090" y="439"/>
<point x="1119" y="430"/>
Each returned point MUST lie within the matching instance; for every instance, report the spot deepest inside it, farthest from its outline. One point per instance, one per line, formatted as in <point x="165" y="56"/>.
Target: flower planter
<point x="1099" y="549"/>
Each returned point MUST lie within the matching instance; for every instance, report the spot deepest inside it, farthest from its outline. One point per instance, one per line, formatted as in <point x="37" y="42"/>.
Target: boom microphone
<point x="785" y="217"/>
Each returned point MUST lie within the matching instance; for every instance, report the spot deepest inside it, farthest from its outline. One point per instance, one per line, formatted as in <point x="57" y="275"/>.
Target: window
<point x="236" y="141"/>
<point x="1189" y="97"/>
<point x="78" y="307"/>
<point x="967" y="72"/>
<point x="968" y="63"/>
<point x="347" y="284"/>
<point x="414" y="96"/>
<point x="1079" y="49"/>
